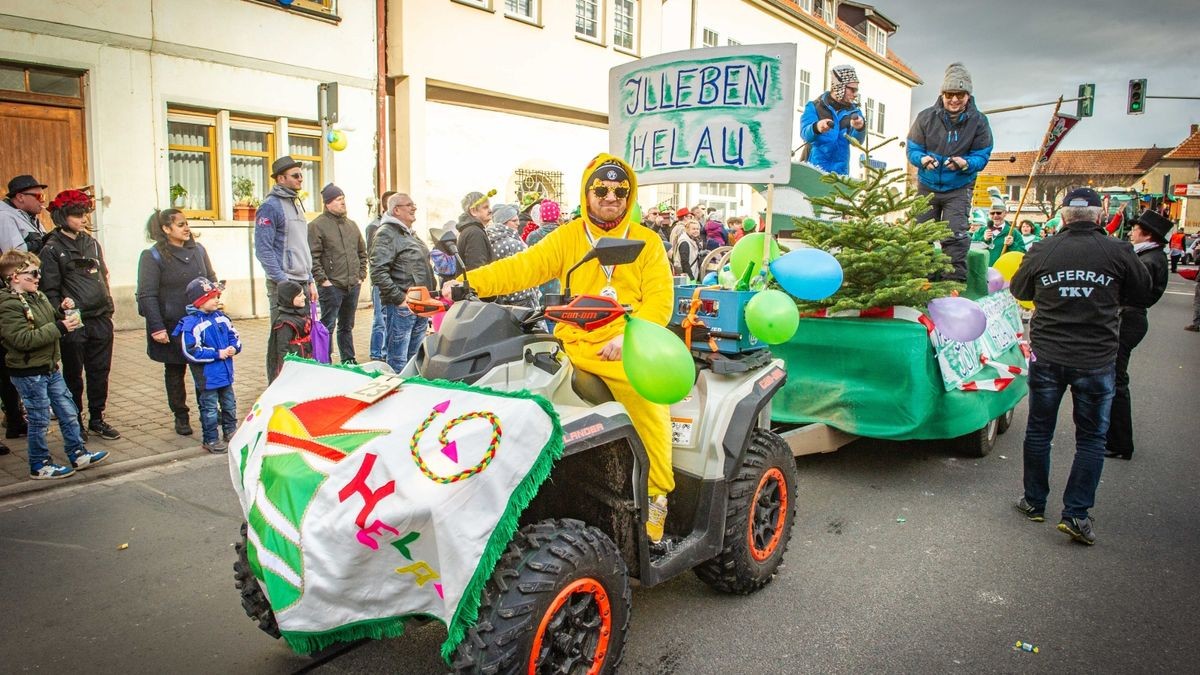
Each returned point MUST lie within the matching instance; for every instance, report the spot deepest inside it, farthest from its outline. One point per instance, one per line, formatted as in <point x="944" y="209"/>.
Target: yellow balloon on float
<point x="1026" y="304"/>
<point x="1008" y="263"/>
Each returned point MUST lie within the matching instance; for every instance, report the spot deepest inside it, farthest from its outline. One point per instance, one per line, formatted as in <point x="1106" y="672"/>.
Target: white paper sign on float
<point x="721" y="114"/>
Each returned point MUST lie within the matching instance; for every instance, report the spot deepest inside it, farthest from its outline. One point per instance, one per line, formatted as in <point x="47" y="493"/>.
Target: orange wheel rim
<point x="580" y="587"/>
<point x="768" y="510"/>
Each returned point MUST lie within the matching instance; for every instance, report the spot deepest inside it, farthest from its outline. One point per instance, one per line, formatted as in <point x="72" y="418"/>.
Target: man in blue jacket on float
<point x="950" y="143"/>
<point x="830" y="120"/>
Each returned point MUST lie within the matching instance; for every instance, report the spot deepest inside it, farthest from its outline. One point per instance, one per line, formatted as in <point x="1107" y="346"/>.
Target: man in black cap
<point x="1078" y="279"/>
<point x="339" y="257"/>
<point x="1149" y="238"/>
<point x="20" y="229"/>
<point x="281" y="240"/>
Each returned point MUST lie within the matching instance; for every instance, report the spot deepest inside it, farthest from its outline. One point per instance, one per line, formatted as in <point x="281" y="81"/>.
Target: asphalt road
<point x="905" y="558"/>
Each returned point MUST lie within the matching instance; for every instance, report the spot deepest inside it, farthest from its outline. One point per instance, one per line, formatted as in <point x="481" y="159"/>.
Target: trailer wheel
<point x="1005" y="421"/>
<point x="979" y="443"/>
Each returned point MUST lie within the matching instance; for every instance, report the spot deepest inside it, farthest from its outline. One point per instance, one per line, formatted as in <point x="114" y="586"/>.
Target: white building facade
<point x="512" y="95"/>
<point x="140" y="96"/>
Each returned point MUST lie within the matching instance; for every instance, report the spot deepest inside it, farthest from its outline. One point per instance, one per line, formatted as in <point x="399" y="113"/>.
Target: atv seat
<point x="590" y="388"/>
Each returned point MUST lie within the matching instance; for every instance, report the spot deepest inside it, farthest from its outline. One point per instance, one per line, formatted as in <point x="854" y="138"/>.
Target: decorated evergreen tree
<point x="883" y="263"/>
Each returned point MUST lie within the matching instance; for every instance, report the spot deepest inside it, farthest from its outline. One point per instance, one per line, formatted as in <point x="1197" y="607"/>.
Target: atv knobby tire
<point x="254" y="601"/>
<point x="557" y="602"/>
<point x="758" y="518"/>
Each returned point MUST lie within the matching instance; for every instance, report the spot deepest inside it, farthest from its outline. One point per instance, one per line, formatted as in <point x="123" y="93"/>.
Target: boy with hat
<point x="1149" y="237"/>
<point x="210" y="343"/>
<point x="292" y="333"/>
<point x="30" y="329"/>
<point x="1079" y="279"/>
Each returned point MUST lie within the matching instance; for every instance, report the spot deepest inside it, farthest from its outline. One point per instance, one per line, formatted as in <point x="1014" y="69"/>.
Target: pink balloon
<point x="958" y="318"/>
<point x="996" y="281"/>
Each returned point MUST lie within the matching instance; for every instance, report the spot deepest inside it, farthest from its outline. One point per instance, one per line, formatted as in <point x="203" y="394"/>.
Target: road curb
<point x="97" y="474"/>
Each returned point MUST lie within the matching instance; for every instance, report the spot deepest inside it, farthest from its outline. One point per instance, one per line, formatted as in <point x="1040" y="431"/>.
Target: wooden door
<point x="45" y="141"/>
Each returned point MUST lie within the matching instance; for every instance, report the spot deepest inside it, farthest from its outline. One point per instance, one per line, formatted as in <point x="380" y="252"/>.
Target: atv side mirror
<point x="609" y="251"/>
<point x="445" y="241"/>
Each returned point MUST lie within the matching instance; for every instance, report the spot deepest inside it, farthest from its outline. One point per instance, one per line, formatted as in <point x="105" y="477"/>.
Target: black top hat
<point x="283" y="164"/>
<point x="1155" y="223"/>
<point x="21" y="184"/>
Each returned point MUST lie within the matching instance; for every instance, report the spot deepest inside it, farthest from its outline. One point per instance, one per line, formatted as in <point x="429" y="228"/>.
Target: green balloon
<point x="748" y="252"/>
<point x="657" y="363"/>
<point x="636" y="215"/>
<point x="772" y="316"/>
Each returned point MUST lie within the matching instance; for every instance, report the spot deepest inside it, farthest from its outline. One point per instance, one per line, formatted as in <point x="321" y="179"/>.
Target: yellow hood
<point x="605" y="158"/>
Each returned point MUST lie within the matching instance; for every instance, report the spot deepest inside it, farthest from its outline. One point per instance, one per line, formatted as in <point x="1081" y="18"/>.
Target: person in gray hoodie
<point x="281" y="240"/>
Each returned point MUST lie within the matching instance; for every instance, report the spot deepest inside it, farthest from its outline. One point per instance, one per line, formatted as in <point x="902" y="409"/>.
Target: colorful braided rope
<point x="488" y="456"/>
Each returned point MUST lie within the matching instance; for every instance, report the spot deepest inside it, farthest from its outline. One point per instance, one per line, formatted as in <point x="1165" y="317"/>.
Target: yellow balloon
<point x="1008" y="263"/>
<point x="337" y="140"/>
<point x="1025" y="304"/>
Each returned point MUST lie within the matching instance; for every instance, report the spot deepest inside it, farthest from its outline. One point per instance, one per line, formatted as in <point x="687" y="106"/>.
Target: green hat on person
<point x="748" y="225"/>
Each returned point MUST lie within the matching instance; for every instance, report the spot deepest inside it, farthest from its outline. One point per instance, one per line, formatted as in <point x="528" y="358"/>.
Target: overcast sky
<point x="1027" y="51"/>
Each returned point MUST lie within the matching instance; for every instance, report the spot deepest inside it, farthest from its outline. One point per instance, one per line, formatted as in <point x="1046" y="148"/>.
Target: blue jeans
<point x="337" y="313"/>
<point x="40" y="393"/>
<point x="208" y="400"/>
<point x="405" y="331"/>
<point x="1091" y="396"/>
<point x="378" y="328"/>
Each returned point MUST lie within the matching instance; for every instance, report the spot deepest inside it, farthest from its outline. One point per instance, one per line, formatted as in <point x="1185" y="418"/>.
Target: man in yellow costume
<point x="609" y="188"/>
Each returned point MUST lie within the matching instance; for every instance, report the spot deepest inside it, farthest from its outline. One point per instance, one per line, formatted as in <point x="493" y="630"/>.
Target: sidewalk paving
<point x="137" y="407"/>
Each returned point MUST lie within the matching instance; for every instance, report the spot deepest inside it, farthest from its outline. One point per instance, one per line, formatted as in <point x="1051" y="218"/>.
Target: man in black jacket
<point x="400" y="261"/>
<point x="1078" y="280"/>
<point x="1149" y="237"/>
<point x="339" y="257"/>
<point x="73" y="268"/>
<point x="473" y="245"/>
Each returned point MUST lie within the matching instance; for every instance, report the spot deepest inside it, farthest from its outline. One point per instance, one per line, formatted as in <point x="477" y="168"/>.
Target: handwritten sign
<point x="713" y="115"/>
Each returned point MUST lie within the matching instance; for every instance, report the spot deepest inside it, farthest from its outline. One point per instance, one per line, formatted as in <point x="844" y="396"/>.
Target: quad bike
<point x="559" y="598"/>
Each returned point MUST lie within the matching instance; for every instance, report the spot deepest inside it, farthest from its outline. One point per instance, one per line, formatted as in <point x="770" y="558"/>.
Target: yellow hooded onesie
<point x="645" y="285"/>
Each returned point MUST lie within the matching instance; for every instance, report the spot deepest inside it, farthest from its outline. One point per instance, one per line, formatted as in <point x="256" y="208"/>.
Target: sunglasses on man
<point x="601" y="192"/>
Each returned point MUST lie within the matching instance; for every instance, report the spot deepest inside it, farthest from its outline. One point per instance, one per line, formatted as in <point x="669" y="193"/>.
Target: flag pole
<point x="1032" y="172"/>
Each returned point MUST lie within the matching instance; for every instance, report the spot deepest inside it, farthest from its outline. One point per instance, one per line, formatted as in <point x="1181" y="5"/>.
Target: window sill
<point x="524" y="19"/>
<point x="475" y="5"/>
<point x="626" y="51"/>
<point x="327" y="17"/>
<point x="590" y="40"/>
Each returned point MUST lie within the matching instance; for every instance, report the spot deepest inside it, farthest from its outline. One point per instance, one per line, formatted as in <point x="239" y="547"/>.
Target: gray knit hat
<point x="842" y="75"/>
<point x="470" y="199"/>
<point x="503" y="213"/>
<point x="957" y="78"/>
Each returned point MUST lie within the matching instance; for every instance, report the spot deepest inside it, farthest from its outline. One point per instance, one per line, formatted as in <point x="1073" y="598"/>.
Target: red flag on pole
<point x="1058" y="130"/>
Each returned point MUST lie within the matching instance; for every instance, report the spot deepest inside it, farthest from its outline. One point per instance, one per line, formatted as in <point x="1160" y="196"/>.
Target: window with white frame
<point x="870" y="106"/>
<point x="879" y="118"/>
<point x="625" y="18"/>
<point x="720" y="196"/>
<point x="824" y="9"/>
<point x="804" y="88"/>
<point x="806" y="5"/>
<point x="587" y="19"/>
<point x="1014" y="193"/>
<point x="322" y="6"/>
<point x="733" y="43"/>
<point x="877" y="39"/>
<point x="521" y="9"/>
<point x="711" y="38"/>
<point x="304" y="145"/>
<point x="482" y="4"/>
<point x="251" y="151"/>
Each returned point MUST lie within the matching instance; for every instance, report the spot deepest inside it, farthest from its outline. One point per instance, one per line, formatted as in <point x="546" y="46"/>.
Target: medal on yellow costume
<point x="608" y="291"/>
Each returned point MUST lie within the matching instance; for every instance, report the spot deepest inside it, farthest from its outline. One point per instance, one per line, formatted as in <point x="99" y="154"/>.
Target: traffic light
<point x="1137" y="97"/>
<point x="1087" y="97"/>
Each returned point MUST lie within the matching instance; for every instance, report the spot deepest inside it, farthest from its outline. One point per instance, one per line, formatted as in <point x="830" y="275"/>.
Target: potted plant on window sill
<point x="178" y="196"/>
<point x="243" y="191"/>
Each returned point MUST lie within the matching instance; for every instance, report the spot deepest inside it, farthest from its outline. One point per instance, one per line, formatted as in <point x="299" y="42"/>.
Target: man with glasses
<point x="281" y="241"/>
<point x="999" y="237"/>
<point x="20" y="229"/>
<point x="400" y="261"/>
<point x="950" y="143"/>
<point x="608" y="190"/>
<point x="831" y="120"/>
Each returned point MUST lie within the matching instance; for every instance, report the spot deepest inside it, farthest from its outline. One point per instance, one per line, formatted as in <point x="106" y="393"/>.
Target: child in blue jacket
<point x="209" y="344"/>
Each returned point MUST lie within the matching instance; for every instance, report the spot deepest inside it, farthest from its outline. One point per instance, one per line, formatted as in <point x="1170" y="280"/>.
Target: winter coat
<point x="204" y="334"/>
<point x="339" y="253"/>
<point x="164" y="271"/>
<point x="830" y="150"/>
<point x="690" y="255"/>
<point x="31" y="331"/>
<point x="715" y="233"/>
<point x="292" y="334"/>
<point x="1155" y="259"/>
<point x="18" y="229"/>
<point x="1078" y="279"/>
<point x="399" y="261"/>
<point x="996" y="245"/>
<point x="473" y="245"/>
<point x="75" y="268"/>
<point x="505" y="243"/>
<point x="552" y="287"/>
<point x="935" y="133"/>
<point x="281" y="237"/>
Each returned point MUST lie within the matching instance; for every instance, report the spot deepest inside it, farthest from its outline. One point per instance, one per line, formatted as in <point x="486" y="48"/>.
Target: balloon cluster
<point x="806" y="273"/>
<point x="1006" y="265"/>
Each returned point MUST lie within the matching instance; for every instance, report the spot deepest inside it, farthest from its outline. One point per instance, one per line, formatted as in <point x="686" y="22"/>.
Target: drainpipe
<point x="381" y="154"/>
<point x="692" y="28"/>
